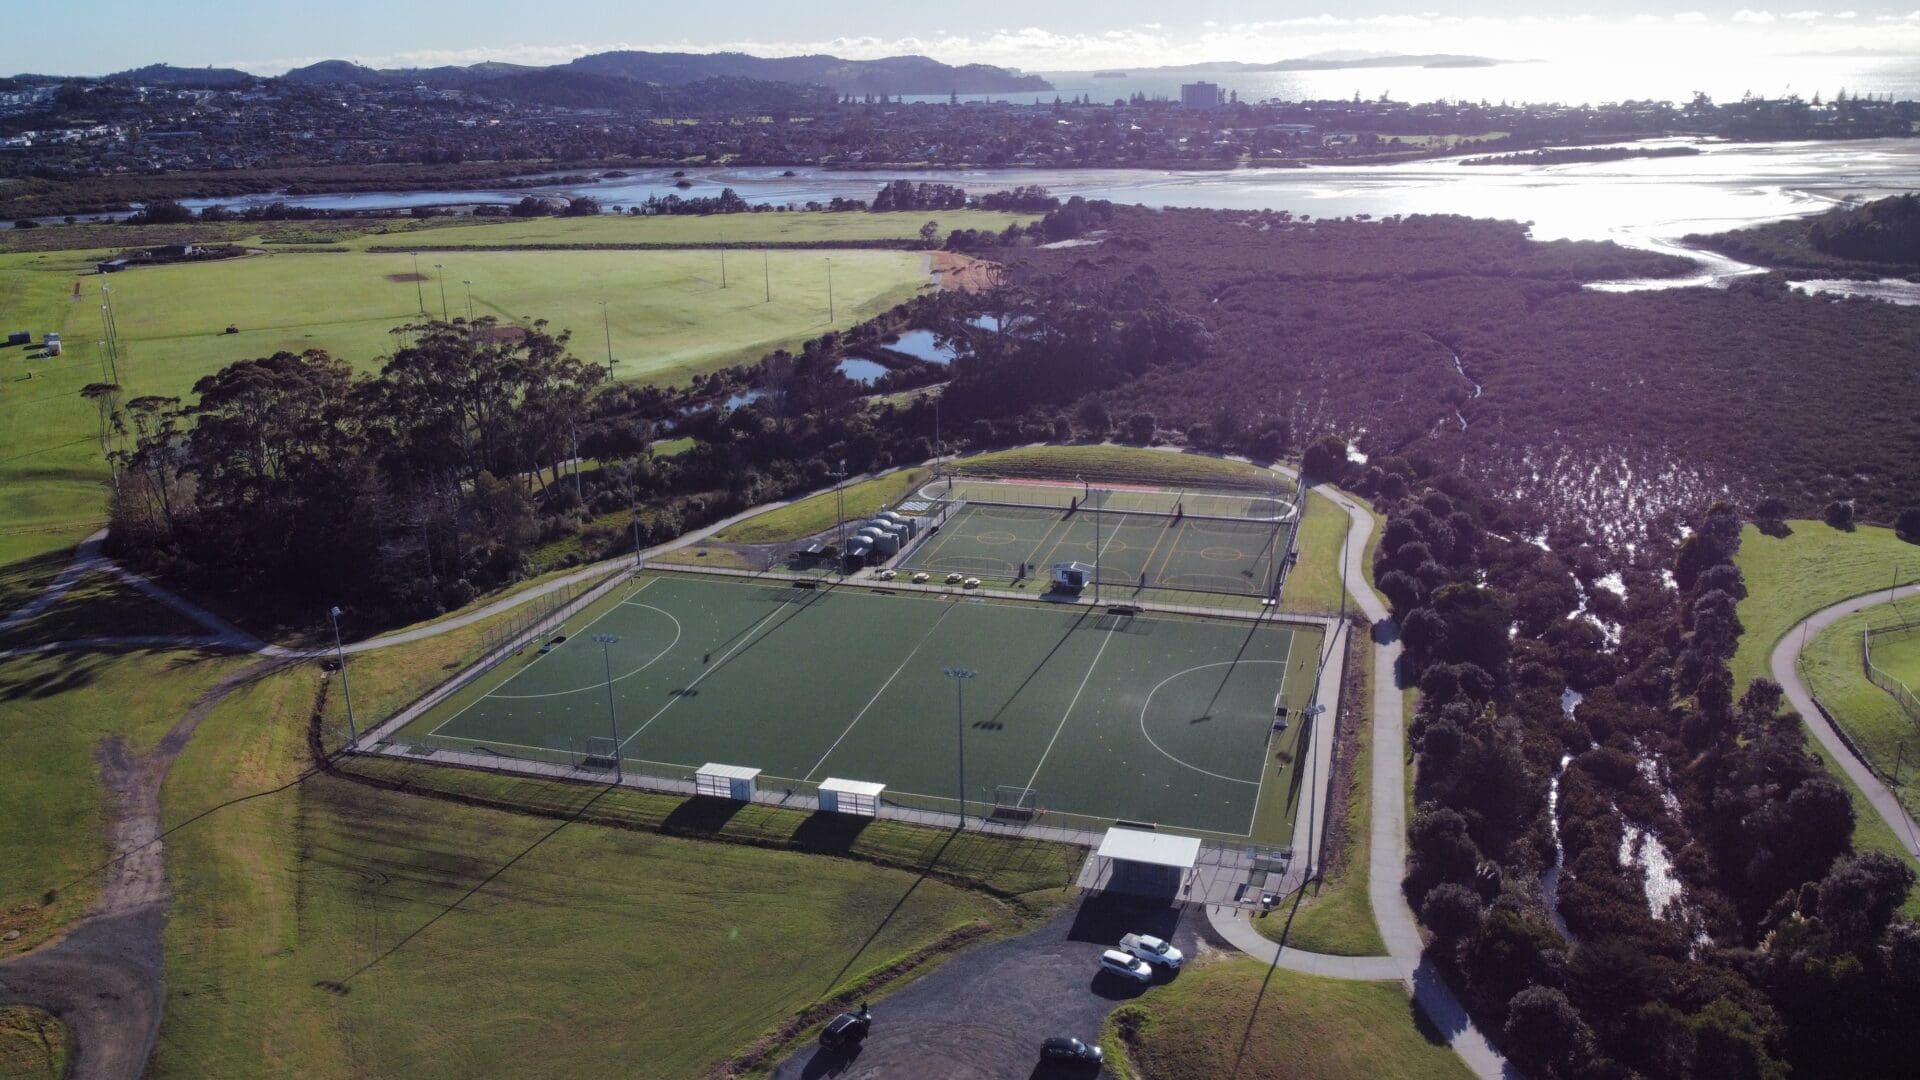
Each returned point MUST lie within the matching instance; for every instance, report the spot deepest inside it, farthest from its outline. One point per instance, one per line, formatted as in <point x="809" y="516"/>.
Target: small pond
<point x="920" y="345"/>
<point x="861" y="370"/>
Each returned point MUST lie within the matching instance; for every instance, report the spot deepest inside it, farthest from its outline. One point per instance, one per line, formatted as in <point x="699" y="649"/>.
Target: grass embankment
<point x="1314" y="586"/>
<point x="1875" y="722"/>
<point x="33" y="1044"/>
<point x="1239" y="1017"/>
<point x="1336" y="916"/>
<point x="308" y="935"/>
<point x="706" y="229"/>
<point x="817" y="513"/>
<point x="1108" y="463"/>
<point x="1789" y="578"/>
<point x="55" y="710"/>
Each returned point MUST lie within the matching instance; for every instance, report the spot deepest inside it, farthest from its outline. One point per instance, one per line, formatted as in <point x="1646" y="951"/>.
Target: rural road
<point x="1785" y="666"/>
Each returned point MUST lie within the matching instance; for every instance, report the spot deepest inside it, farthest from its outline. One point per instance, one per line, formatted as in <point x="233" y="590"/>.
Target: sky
<point x="269" y="36"/>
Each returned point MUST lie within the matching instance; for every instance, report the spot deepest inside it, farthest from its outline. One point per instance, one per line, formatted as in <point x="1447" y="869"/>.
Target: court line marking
<point x="523" y="670"/>
<point x="711" y="668"/>
<point x="1148" y="703"/>
<point x="924" y="638"/>
<point x="677" y="630"/>
<point x="1071" y="705"/>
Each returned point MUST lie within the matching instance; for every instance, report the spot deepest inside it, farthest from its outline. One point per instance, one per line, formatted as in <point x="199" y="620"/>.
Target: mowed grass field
<point x="667" y="312"/>
<point x="1898" y="654"/>
<point x="1150" y="718"/>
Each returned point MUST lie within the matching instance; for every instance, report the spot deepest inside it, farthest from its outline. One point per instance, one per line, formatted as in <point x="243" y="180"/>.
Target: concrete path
<point x="1785" y="665"/>
<point x="1388" y="856"/>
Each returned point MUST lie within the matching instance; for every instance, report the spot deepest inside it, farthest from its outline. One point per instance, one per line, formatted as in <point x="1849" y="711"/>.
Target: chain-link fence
<point x="1904" y="631"/>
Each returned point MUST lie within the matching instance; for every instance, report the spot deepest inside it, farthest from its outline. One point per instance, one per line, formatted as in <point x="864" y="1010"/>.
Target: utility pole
<point x="960" y="675"/>
<point x="613" y="728"/>
<point x="606" y="327"/>
<point x="440" y="272"/>
<point x="340" y="654"/>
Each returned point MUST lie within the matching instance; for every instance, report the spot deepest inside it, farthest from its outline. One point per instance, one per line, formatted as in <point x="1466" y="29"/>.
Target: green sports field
<point x="1159" y="719"/>
<point x="1007" y="531"/>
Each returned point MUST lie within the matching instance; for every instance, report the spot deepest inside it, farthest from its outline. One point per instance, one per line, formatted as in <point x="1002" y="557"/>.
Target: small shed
<point x="1148" y="863"/>
<point x="736" y="782"/>
<point x="860" y="798"/>
<point x="52" y="344"/>
<point x="1072" y="576"/>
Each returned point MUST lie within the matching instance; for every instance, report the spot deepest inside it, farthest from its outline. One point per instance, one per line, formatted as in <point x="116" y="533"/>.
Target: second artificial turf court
<point x="1145" y="718"/>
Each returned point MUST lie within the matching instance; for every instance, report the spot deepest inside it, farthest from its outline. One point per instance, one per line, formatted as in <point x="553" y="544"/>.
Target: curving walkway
<point x="1785" y="665"/>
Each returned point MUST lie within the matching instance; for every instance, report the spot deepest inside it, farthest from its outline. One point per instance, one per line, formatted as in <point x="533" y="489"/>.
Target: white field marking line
<point x="1062" y="726"/>
<point x="1147" y="704"/>
<point x="711" y="668"/>
<point x="1266" y="746"/>
<point x="617" y="678"/>
<point x="530" y="663"/>
<point x="924" y="638"/>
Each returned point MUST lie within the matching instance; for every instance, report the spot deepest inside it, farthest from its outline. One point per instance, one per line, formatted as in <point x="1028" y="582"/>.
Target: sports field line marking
<point x="1266" y="746"/>
<point x="535" y="660"/>
<point x="1148" y="703"/>
<point x="924" y="638"/>
<point x="677" y="630"/>
<point x="1071" y="705"/>
<point x="711" y="668"/>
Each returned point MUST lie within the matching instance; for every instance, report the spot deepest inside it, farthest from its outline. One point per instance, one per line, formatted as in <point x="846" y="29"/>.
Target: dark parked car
<point x="846" y="1031"/>
<point x="1066" y="1048"/>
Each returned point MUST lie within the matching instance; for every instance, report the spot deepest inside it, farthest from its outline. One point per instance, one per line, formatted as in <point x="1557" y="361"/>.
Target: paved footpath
<point x="1785" y="664"/>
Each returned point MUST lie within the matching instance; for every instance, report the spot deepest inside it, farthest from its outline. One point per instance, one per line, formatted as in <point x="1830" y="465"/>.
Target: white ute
<point x="1152" y="950"/>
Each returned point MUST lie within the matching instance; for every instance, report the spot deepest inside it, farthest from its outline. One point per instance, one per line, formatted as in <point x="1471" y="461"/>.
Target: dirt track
<point x="106" y="979"/>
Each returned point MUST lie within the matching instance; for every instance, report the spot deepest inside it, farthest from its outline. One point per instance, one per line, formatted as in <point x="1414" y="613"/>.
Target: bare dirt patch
<point x="964" y="273"/>
<point x="502" y="334"/>
<point x="407" y="277"/>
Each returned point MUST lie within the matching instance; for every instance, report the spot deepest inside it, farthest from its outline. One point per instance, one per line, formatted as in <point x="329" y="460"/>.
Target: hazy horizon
<point x="268" y="39"/>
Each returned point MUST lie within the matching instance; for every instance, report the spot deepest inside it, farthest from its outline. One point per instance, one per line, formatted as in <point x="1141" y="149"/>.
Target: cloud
<point x="1690" y="17"/>
<point x="1804" y="16"/>
<point x="1745" y="15"/>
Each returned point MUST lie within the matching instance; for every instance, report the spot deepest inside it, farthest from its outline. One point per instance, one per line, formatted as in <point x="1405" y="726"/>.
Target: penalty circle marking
<point x="621" y="678"/>
<point x="1163" y="751"/>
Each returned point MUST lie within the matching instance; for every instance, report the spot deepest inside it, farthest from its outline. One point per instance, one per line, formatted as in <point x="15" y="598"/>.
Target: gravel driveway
<point x="983" y="1014"/>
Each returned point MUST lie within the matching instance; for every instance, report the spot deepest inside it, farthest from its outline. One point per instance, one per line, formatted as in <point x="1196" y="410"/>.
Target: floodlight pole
<point x="766" y="275"/>
<point x="468" y="282"/>
<point x="960" y="675"/>
<point x="441" y="274"/>
<point x="840" y="516"/>
<point x="723" y="266"/>
<point x="936" y="437"/>
<point x="419" y="291"/>
<point x="829" y="291"/>
<point x="613" y="728"/>
<point x="346" y="685"/>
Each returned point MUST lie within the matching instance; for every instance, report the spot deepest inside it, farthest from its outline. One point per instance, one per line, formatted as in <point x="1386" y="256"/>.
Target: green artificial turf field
<point x="1161" y="719"/>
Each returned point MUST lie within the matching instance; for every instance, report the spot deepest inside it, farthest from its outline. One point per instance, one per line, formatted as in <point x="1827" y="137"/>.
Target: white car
<point x="1152" y="949"/>
<point x="1126" y="966"/>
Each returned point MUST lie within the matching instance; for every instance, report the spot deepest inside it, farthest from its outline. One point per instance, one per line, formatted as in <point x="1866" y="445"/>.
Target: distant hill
<point x="891" y="75"/>
<point x="168" y="75"/>
<point x="615" y="77"/>
<point x="1338" y="63"/>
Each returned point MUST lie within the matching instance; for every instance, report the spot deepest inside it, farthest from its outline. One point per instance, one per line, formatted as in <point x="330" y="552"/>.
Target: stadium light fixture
<point x="607" y="641"/>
